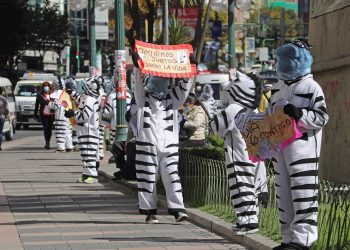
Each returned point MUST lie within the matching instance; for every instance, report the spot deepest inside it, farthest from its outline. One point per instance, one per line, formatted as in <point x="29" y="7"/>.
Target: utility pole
<point x="92" y="32"/>
<point x="231" y="34"/>
<point x="166" y="22"/>
<point x="283" y="25"/>
<point x="120" y="70"/>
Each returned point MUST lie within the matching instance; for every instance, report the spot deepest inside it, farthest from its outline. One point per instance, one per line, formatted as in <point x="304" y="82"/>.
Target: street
<point x="43" y="207"/>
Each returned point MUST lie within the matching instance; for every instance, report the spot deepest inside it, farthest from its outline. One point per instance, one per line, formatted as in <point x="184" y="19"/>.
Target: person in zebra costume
<point x="296" y="167"/>
<point x="71" y="86"/>
<point x="207" y="100"/>
<point x="157" y="142"/>
<point x="101" y="127"/>
<point x="244" y="177"/>
<point x="87" y="117"/>
<point x="63" y="127"/>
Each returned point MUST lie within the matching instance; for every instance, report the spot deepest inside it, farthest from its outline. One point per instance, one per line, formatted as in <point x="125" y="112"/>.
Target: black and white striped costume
<point x="157" y="141"/>
<point x="241" y="171"/>
<point x="87" y="117"/>
<point x="62" y="125"/>
<point x="101" y="127"/>
<point x="296" y="167"/>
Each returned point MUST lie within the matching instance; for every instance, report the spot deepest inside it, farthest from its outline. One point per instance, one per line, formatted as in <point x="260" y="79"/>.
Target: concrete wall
<point x="329" y="34"/>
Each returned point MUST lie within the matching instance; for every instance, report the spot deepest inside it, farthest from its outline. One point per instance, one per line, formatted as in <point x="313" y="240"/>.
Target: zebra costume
<point x="101" y="127"/>
<point x="87" y="117"/>
<point x="241" y="172"/>
<point x="296" y="167"/>
<point x="62" y="125"/>
<point x="157" y="141"/>
<point x="207" y="100"/>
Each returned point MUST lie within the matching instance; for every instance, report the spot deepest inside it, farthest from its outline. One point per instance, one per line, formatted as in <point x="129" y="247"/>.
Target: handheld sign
<point x="166" y="60"/>
<point x="266" y="138"/>
<point x="67" y="103"/>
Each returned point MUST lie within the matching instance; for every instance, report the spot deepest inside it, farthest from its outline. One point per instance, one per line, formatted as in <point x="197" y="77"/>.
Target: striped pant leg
<point x="74" y="137"/>
<point x="101" y="141"/>
<point x="168" y="168"/>
<point x="60" y="132"/>
<point x="284" y="198"/>
<point x="146" y="175"/>
<point x="88" y="146"/>
<point x="261" y="189"/>
<point x="112" y="135"/>
<point x="303" y="175"/>
<point x="69" y="140"/>
<point x="242" y="190"/>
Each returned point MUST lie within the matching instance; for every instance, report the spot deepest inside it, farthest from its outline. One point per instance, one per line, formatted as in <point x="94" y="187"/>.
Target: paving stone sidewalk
<point x="43" y="207"/>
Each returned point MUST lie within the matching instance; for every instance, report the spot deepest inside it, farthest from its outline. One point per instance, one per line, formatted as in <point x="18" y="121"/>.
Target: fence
<point x="205" y="186"/>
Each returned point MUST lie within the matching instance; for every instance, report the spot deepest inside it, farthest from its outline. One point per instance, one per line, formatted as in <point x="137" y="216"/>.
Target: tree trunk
<point x="203" y="32"/>
<point x="150" y="17"/>
<point x="197" y="34"/>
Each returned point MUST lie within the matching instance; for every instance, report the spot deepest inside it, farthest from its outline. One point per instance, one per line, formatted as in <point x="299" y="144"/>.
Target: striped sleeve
<point x="180" y="92"/>
<point x="84" y="113"/>
<point x="224" y="121"/>
<point x="315" y="117"/>
<point x="108" y="109"/>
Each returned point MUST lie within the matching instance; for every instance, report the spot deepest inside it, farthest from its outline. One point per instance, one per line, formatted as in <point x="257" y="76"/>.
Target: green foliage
<point x="216" y="141"/>
<point x="178" y="33"/>
<point x="214" y="153"/>
<point x="46" y="28"/>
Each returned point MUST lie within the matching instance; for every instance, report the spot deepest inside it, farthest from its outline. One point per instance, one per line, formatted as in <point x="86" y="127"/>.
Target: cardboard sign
<point x="166" y="60"/>
<point x="67" y="103"/>
<point x="266" y="138"/>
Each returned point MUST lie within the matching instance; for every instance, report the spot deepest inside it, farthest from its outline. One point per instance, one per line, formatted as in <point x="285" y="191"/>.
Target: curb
<point x="204" y="220"/>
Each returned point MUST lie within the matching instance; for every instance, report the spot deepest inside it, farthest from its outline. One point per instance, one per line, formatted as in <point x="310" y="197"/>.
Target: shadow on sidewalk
<point x="168" y="239"/>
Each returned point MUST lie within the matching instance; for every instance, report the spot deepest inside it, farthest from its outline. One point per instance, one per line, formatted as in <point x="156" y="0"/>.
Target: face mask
<point x="198" y="88"/>
<point x="46" y="89"/>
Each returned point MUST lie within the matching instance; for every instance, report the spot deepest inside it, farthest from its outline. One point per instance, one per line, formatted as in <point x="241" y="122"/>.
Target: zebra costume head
<point x="57" y="83"/>
<point x="91" y="87"/>
<point x="155" y="85"/>
<point x="245" y="91"/>
<point x="294" y="60"/>
<point x="207" y="93"/>
<point x="71" y="83"/>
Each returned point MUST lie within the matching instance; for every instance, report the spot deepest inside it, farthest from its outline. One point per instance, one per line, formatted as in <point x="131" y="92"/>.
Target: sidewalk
<point x="43" y="207"/>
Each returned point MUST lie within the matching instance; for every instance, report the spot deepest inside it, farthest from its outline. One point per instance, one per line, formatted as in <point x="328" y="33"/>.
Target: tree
<point x="12" y="31"/>
<point x="46" y="28"/>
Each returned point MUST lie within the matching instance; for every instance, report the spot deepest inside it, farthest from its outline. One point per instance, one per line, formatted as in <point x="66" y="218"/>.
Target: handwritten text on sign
<point x="166" y="60"/>
<point x="267" y="137"/>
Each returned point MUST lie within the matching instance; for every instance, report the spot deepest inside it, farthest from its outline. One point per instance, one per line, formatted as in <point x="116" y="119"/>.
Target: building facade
<point x="329" y="35"/>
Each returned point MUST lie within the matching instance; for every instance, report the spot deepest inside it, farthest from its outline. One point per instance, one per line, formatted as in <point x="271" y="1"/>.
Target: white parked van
<point x="10" y="124"/>
<point x="26" y="91"/>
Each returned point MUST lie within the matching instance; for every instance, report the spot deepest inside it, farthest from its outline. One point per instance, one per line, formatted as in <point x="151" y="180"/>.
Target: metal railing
<point x="205" y="186"/>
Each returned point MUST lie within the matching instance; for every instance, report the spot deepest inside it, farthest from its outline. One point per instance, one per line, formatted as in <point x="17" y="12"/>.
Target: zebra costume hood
<point x="245" y="91"/>
<point x="57" y="83"/>
<point x="91" y="87"/>
<point x="294" y="60"/>
<point x="156" y="86"/>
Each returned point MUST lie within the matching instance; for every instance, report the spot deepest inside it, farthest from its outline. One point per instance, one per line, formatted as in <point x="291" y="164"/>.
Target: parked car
<point x="26" y="91"/>
<point x="10" y="124"/>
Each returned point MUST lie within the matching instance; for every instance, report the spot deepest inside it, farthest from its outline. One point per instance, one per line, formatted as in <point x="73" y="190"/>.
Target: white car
<point x="10" y="123"/>
<point x="26" y="91"/>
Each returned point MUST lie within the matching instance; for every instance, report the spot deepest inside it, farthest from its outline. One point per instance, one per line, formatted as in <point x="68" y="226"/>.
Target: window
<point x="9" y="93"/>
<point x="27" y="90"/>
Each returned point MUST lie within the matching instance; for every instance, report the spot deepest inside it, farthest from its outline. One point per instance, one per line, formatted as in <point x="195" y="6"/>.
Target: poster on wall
<point x="120" y="74"/>
<point x="166" y="60"/>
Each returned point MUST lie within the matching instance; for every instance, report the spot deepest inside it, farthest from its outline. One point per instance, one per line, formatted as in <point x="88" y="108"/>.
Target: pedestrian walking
<point x="3" y="113"/>
<point x="46" y="112"/>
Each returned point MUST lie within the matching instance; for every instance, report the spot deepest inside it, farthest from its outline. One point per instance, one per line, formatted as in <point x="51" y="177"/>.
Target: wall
<point x="329" y="34"/>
